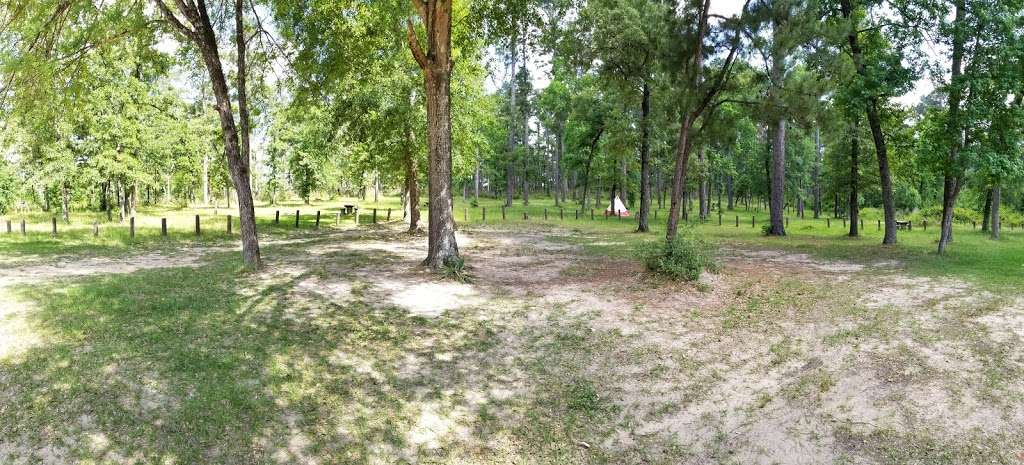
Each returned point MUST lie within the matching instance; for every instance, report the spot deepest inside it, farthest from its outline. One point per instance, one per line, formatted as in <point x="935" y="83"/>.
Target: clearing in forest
<point x="343" y="351"/>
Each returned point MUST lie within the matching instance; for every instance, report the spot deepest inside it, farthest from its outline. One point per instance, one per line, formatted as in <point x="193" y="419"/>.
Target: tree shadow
<point x="206" y="365"/>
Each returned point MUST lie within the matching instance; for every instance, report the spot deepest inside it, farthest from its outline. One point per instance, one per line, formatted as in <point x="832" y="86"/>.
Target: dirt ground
<point x="777" y="358"/>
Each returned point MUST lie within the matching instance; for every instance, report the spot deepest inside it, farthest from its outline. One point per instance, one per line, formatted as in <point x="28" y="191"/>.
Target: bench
<point x="348" y="209"/>
<point x="904" y="225"/>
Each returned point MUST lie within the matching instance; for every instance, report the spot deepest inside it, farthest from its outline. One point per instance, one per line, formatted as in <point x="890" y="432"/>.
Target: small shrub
<point x="766" y="229"/>
<point x="685" y="258"/>
<point x="456" y="269"/>
<point x="473" y="203"/>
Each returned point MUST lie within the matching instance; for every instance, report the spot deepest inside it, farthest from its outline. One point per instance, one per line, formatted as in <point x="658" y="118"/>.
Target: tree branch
<point x="414" y="44"/>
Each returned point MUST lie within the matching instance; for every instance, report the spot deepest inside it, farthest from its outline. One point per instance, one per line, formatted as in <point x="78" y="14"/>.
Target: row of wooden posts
<point x="466" y="216"/>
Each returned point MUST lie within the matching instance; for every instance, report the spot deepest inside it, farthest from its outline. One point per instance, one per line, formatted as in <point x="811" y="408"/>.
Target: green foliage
<point x="455" y="269"/>
<point x="685" y="258"/>
<point x="961" y="215"/>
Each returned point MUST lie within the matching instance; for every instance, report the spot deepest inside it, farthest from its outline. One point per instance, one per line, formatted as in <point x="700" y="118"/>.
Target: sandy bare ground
<point x="778" y="358"/>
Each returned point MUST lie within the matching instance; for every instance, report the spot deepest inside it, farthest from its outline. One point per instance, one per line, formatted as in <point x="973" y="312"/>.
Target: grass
<point x="211" y="364"/>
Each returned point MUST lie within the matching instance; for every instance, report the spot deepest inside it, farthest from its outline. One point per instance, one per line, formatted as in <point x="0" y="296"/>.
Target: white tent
<point x="616" y="208"/>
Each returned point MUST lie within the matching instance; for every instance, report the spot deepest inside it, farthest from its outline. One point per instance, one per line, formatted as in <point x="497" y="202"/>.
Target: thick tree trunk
<point x="778" y="178"/>
<point x="436" y="64"/>
<point x="997" y="200"/>
<point x="645" y="160"/>
<point x="854" y="185"/>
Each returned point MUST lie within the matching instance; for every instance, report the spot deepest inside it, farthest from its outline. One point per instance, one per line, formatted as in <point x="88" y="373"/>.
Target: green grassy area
<point x="973" y="256"/>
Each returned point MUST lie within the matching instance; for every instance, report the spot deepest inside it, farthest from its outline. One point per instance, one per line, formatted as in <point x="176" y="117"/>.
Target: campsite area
<point x="559" y="348"/>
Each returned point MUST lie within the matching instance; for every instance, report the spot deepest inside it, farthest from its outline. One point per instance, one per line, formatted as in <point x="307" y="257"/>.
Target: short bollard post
<point x="296" y="218"/>
<point x="862" y="223"/>
<point x="619" y="213"/>
<point x="483" y="211"/>
<point x="577" y="214"/>
<point x="910" y="225"/>
<point x="525" y="216"/>
<point x="591" y="214"/>
<point x="229" y="225"/>
<point x="374" y="216"/>
<point x="338" y="220"/>
<point x="197" y="226"/>
<point x="719" y="218"/>
<point x="54" y="233"/>
<point x="389" y="214"/>
<point x="502" y="213"/>
<point x="163" y="227"/>
<point x="879" y="225"/>
<point x="828" y="223"/>
<point x="8" y="226"/>
<point x="561" y="214"/>
<point x="356" y="216"/>
<point x="277" y="217"/>
<point x="545" y="213"/>
<point x="737" y="221"/>
<point x="752" y="221"/>
<point x="95" y="229"/>
<point x="23" y="227"/>
<point x="317" y="219"/>
<point x="844" y="223"/>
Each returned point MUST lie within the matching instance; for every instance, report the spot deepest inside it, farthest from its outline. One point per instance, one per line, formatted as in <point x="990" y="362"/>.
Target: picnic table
<point x="904" y="225"/>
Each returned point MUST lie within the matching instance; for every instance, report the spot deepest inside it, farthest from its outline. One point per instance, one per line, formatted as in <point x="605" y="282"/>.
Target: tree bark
<point x="986" y="211"/>
<point x="951" y="182"/>
<point x="436" y="64"/>
<point x="412" y="183"/>
<point x="997" y="200"/>
<point x="778" y="178"/>
<point x="854" y="184"/>
<point x="645" y="159"/>
<point x="816" y="173"/>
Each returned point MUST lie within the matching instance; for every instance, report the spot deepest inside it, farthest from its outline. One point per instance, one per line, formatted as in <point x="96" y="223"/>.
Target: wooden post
<point x="591" y="214"/>
<point x="879" y="225"/>
<point x="828" y="223"/>
<point x="619" y="213"/>
<point x="23" y="227"/>
<point x="110" y="214"/>
<point x="525" y="216"/>
<point x="844" y="223"/>
<point x="229" y="225"/>
<point x="737" y="221"/>
<point x="163" y="227"/>
<point x="197" y="226"/>
<point x="95" y="229"/>
<point x="719" y="218"/>
<point x="54" y="220"/>
<point x="561" y="214"/>
<point x="374" y="216"/>
<point x="389" y="214"/>
<point x="131" y="227"/>
<point x="974" y="225"/>
<point x="787" y="221"/>
<point x="8" y="226"/>
<point x="483" y="211"/>
<point x="577" y="214"/>
<point x="655" y="214"/>
<point x="338" y="220"/>
<point x="277" y="217"/>
<point x="356" y="216"/>
<point x="926" y="225"/>
<point x="502" y="213"/>
<point x="545" y="213"/>
<point x="317" y="219"/>
<point x="752" y="222"/>
<point x="862" y="223"/>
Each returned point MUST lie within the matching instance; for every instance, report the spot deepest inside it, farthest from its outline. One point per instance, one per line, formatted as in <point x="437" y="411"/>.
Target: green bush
<point x="457" y="270"/>
<point x="934" y="215"/>
<point x="685" y="258"/>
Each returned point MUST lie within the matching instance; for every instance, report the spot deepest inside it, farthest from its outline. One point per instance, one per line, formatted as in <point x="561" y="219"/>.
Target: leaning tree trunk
<point x="645" y="160"/>
<point x="683" y="148"/>
<point x="436" y="64"/>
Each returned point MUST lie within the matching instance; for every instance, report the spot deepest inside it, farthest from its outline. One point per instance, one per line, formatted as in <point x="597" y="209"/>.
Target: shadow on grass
<point x="206" y="365"/>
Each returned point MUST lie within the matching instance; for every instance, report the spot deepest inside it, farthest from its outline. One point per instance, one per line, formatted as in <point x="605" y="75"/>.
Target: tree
<point x="196" y="26"/>
<point x="436" y="64"/>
